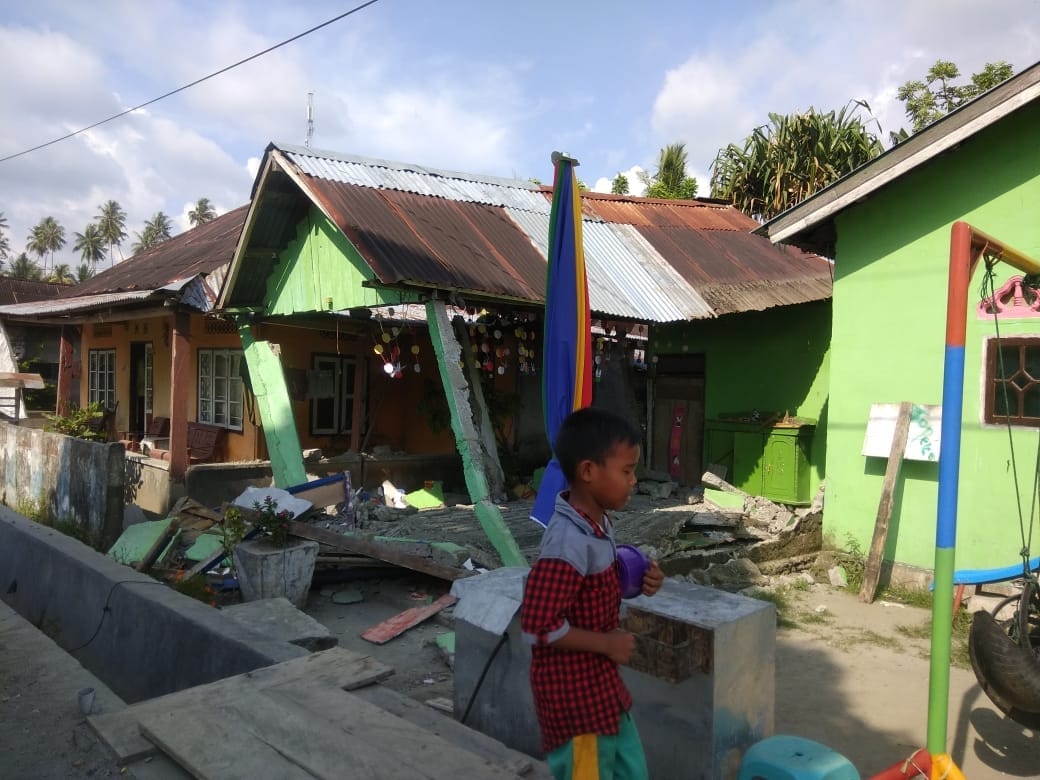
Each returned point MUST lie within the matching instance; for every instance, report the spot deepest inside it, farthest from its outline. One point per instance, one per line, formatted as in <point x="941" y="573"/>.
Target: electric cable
<point x="105" y="609"/>
<point x="483" y="674"/>
<point x="252" y="57"/>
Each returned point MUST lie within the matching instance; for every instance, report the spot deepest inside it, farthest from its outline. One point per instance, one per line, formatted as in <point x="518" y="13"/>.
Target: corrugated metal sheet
<point x="405" y="237"/>
<point x="198" y="251"/>
<point x="24" y="290"/>
<point x="627" y="277"/>
<point x="657" y="213"/>
<point x="70" y="305"/>
<point x="386" y="175"/>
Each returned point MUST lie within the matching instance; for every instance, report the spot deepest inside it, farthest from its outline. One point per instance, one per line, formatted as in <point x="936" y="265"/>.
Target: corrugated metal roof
<point x="200" y="250"/>
<point x="23" y="290"/>
<point x="70" y="305"/>
<point x="387" y="175"/>
<point x="651" y="260"/>
<point x="627" y="277"/>
<point x="409" y="238"/>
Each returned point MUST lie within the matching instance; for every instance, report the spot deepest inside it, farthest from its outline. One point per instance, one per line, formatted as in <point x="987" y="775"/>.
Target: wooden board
<point x="307" y="731"/>
<point x="872" y="569"/>
<point x="332" y="668"/>
<point x="446" y="726"/>
<point x="323" y="495"/>
<point x="401" y="622"/>
<point x="383" y="551"/>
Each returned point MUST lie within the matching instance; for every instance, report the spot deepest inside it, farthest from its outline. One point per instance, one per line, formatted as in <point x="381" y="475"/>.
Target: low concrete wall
<point x="71" y="479"/>
<point x="140" y="637"/>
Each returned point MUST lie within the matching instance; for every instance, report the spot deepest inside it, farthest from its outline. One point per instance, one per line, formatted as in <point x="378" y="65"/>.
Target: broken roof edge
<point x="942" y="135"/>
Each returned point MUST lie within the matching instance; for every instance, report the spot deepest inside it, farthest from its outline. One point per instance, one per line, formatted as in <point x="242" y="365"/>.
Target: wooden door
<point x="685" y="395"/>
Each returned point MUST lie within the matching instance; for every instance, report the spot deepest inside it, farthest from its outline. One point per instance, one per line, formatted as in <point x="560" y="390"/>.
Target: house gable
<point x="320" y="270"/>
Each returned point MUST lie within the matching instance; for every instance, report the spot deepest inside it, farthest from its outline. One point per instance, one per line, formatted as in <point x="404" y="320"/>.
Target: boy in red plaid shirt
<point x="570" y="611"/>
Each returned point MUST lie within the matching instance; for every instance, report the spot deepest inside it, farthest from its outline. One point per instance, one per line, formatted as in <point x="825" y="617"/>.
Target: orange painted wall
<point x="239" y="445"/>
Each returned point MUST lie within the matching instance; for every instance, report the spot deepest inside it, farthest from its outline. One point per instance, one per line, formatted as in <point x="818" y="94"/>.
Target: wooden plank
<point x="309" y="732"/>
<point x="401" y="622"/>
<point x="158" y="546"/>
<point x="872" y="570"/>
<point x="381" y="550"/>
<point x="323" y="495"/>
<point x="454" y="732"/>
<point x="332" y="668"/>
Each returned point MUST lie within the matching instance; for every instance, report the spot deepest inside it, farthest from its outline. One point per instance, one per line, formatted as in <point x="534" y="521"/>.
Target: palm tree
<point x="156" y="230"/>
<point x="783" y="163"/>
<point x="62" y="274"/>
<point x="46" y="237"/>
<point x="24" y="268"/>
<point x="84" y="272"/>
<point x="202" y="213"/>
<point x="671" y="180"/>
<point x="5" y="244"/>
<point x="90" y="244"/>
<point x="112" y="226"/>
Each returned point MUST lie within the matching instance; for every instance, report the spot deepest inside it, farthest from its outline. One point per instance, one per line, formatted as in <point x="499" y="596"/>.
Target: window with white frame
<point x="220" y="388"/>
<point x="330" y="387"/>
<point x="101" y="378"/>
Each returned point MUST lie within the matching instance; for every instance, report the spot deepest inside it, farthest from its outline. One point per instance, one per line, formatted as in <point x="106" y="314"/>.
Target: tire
<point x="1008" y="672"/>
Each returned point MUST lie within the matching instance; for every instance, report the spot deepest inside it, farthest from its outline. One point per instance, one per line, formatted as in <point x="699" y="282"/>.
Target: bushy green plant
<point x="77" y="422"/>
<point x="272" y="523"/>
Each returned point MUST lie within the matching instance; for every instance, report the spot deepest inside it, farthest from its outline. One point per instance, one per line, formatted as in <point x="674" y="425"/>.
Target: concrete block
<point x="265" y="571"/>
<point x="722" y="499"/>
<point x="696" y="728"/>
<point x="278" y="619"/>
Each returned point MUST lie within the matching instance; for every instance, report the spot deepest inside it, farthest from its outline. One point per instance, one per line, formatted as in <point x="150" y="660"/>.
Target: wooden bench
<point x="205" y="444"/>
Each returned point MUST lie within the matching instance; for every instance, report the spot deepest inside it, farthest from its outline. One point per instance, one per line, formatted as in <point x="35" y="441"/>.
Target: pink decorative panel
<point x="1011" y="301"/>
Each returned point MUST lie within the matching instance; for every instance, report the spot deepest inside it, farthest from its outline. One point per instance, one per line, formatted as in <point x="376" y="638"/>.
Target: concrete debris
<point x="732" y="576"/>
<point x="277" y="619"/>
<point x="712" y="479"/>
<point x="839" y="578"/>
<point x="658" y="490"/>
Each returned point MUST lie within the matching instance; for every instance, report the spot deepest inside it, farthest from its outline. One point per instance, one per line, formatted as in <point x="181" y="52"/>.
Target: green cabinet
<point x="764" y="459"/>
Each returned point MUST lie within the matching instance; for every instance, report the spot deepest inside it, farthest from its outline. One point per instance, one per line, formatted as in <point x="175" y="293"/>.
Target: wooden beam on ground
<point x="392" y="627"/>
<point x="467" y="440"/>
<point x="383" y="551"/>
<point x="872" y="570"/>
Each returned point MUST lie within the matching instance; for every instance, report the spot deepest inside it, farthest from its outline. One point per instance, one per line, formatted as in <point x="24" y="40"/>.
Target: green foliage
<point x="934" y="97"/>
<point x="90" y="244"/>
<point x="196" y="587"/>
<point x="620" y="185"/>
<point x="5" y="242"/>
<point x="855" y="564"/>
<point x="670" y="181"/>
<point x="39" y="512"/>
<point x="202" y="213"/>
<point x="232" y="530"/>
<point x="111" y="225"/>
<point x="781" y="164"/>
<point x="24" y="268"/>
<point x="46" y="238"/>
<point x="79" y="423"/>
<point x="272" y="523"/>
<point x="156" y="230"/>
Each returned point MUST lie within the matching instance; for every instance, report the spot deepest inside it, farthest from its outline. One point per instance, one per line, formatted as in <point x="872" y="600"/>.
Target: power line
<point x="192" y="84"/>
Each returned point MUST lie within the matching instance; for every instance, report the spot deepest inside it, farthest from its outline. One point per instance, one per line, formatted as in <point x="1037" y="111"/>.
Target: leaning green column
<point x="457" y="392"/>
<point x="267" y="382"/>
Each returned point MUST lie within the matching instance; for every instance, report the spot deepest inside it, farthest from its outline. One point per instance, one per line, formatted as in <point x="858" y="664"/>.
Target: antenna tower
<point x="310" y="118"/>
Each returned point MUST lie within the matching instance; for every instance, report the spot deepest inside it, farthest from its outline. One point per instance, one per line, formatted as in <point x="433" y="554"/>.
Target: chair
<point x="794" y="758"/>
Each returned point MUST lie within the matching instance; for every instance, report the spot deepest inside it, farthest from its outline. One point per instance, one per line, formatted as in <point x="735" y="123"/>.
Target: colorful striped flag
<point x="567" y="348"/>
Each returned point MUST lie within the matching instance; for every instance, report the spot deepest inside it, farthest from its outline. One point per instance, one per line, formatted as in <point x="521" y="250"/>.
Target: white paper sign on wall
<point x="922" y="442"/>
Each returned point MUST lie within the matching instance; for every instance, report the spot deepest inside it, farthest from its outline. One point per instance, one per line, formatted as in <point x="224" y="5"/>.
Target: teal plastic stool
<point x="794" y="758"/>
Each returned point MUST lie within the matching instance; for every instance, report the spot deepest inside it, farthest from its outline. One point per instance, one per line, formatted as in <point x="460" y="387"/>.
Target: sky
<point x="477" y="86"/>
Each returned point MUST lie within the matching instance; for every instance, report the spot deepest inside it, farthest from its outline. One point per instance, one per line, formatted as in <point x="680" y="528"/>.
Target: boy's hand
<point x="619" y="646"/>
<point x="653" y="579"/>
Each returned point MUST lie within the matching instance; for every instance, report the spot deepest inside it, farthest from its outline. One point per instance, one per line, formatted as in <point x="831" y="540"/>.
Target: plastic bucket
<point x="633" y="565"/>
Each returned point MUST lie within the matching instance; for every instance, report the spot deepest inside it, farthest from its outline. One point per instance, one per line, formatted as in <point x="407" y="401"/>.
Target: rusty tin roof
<point x="648" y="260"/>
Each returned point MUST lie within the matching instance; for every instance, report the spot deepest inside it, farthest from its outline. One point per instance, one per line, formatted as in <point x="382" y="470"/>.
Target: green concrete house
<point x="888" y="228"/>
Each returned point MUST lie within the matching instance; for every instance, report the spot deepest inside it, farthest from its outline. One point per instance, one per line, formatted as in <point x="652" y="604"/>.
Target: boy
<point x="570" y="611"/>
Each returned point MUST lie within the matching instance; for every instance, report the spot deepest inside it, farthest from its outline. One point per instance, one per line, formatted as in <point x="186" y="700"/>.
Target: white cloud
<point x="635" y="182"/>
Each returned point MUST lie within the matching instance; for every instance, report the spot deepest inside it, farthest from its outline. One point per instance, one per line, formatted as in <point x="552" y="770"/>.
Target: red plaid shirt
<point x="574" y="692"/>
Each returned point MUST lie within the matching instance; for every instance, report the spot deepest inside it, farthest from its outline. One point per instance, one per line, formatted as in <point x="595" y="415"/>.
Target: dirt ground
<point x="850" y="675"/>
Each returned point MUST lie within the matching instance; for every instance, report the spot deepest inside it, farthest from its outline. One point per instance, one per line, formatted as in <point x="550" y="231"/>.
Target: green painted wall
<point x="888" y="342"/>
<point x="773" y="360"/>
<point x="321" y="264"/>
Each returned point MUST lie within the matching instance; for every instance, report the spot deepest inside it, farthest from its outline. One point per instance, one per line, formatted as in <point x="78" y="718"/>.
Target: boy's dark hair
<point x="591" y="434"/>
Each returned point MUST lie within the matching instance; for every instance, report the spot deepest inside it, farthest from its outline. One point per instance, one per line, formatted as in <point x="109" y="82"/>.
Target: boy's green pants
<point x="601" y="757"/>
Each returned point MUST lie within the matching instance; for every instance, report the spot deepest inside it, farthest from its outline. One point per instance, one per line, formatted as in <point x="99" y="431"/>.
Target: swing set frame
<point x="968" y="245"/>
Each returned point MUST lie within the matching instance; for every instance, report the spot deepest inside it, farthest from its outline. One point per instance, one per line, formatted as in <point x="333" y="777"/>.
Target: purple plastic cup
<point x="633" y="565"/>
